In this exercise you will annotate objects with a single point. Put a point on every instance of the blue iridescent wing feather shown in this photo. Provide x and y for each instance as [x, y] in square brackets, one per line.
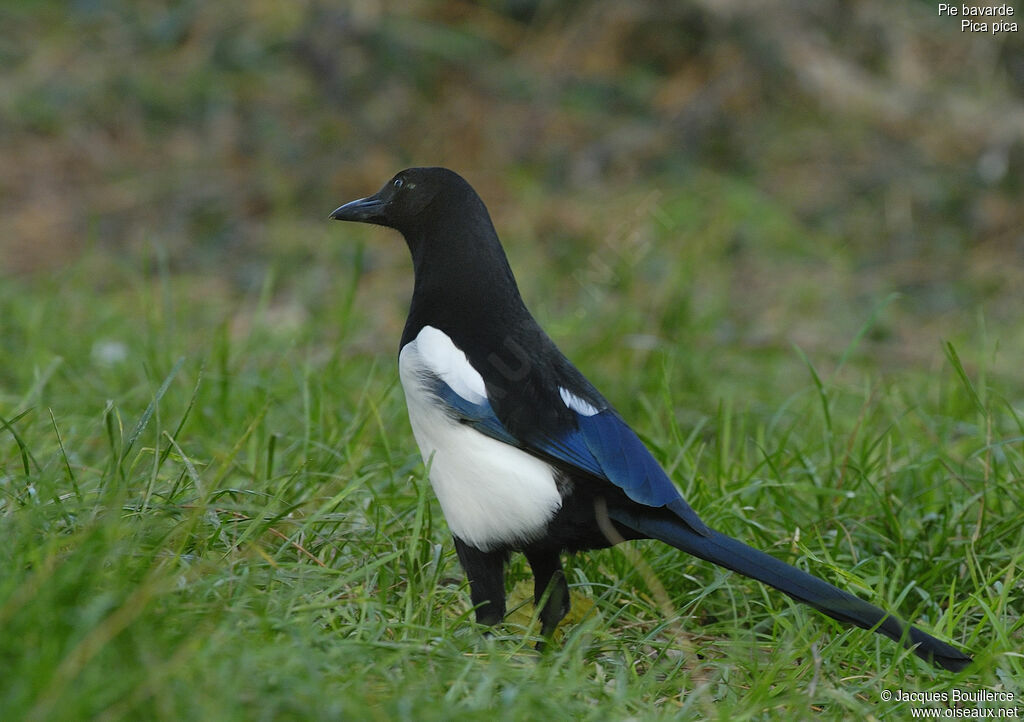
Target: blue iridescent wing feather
[601, 445]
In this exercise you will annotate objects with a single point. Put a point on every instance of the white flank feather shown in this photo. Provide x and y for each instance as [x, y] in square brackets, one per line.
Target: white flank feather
[491, 493]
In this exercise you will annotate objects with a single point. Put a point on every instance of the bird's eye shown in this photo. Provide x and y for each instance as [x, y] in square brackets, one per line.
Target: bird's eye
[398, 183]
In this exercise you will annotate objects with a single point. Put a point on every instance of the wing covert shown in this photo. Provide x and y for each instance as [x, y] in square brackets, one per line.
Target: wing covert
[601, 445]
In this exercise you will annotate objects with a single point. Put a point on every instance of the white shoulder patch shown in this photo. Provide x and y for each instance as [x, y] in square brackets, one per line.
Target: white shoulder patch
[444, 359]
[575, 403]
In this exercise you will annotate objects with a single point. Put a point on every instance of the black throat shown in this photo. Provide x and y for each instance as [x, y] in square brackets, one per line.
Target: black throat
[463, 283]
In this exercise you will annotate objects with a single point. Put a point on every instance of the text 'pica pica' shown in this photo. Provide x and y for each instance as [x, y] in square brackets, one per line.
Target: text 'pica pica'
[524, 453]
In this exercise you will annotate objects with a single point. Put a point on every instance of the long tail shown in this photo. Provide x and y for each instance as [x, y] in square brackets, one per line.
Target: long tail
[737, 556]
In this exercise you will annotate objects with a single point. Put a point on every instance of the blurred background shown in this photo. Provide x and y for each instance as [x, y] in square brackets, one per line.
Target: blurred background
[763, 174]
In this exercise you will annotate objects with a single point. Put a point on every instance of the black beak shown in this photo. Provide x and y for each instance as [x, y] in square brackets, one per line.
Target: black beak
[365, 210]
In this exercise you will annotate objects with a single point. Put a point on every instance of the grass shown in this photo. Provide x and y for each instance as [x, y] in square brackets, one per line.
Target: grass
[211, 505]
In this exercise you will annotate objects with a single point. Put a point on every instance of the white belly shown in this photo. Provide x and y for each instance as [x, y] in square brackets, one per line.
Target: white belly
[491, 493]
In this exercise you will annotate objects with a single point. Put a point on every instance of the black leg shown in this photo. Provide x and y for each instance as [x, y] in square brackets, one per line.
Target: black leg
[486, 573]
[549, 588]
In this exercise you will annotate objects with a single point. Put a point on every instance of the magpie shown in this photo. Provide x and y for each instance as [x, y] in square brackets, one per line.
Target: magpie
[524, 454]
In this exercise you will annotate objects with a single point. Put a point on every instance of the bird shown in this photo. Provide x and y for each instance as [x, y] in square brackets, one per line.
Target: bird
[524, 454]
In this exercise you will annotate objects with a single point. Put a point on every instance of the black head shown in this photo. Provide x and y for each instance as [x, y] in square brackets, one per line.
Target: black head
[410, 199]
[458, 261]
